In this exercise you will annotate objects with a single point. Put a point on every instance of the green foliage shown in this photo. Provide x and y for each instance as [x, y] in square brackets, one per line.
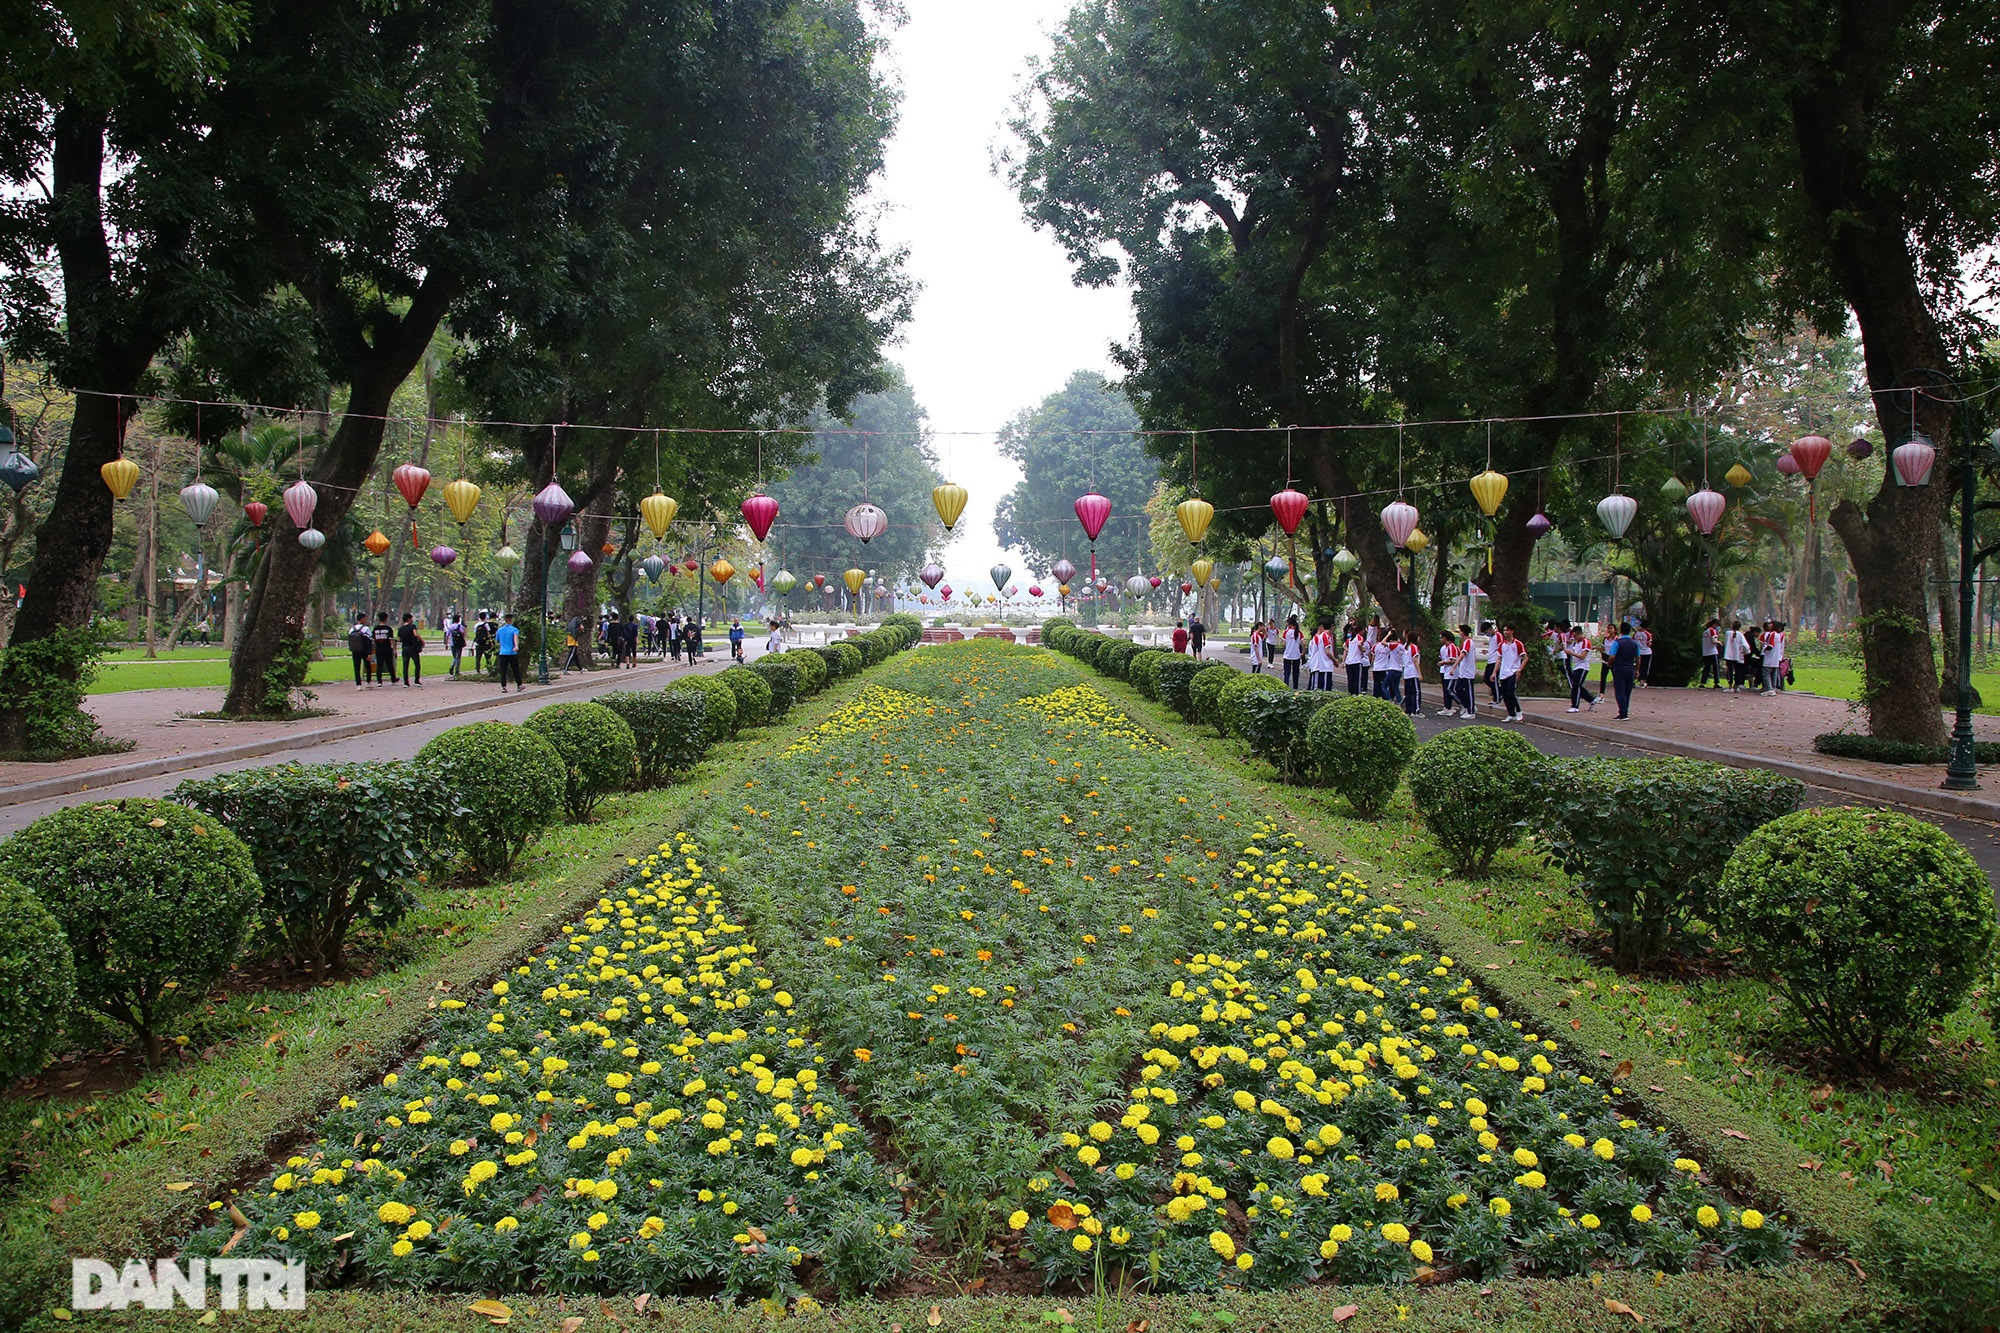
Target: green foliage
[835, 665]
[1362, 745]
[670, 728]
[1233, 704]
[1078, 438]
[1143, 670]
[37, 981]
[1882, 750]
[753, 693]
[285, 677]
[1275, 725]
[1115, 658]
[1205, 694]
[1874, 924]
[46, 679]
[813, 672]
[334, 845]
[155, 898]
[599, 753]
[778, 672]
[850, 658]
[720, 700]
[508, 782]
[1470, 786]
[1647, 839]
[1175, 674]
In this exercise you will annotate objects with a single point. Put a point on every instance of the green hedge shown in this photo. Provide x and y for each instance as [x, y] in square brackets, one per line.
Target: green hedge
[1469, 787]
[1176, 674]
[599, 753]
[782, 675]
[1275, 726]
[753, 695]
[720, 699]
[1143, 671]
[1362, 744]
[813, 672]
[1205, 694]
[1881, 750]
[508, 782]
[671, 729]
[37, 981]
[1234, 701]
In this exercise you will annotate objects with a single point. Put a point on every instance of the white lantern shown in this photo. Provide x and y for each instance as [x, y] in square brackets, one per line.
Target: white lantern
[199, 499]
[1615, 512]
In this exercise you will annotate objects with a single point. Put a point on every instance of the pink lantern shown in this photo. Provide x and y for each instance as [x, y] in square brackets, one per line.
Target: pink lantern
[1913, 459]
[300, 501]
[1810, 452]
[412, 481]
[255, 512]
[1093, 511]
[1290, 508]
[442, 556]
[1789, 465]
[1399, 520]
[580, 562]
[932, 575]
[1156, 580]
[1034, 590]
[1063, 572]
[1705, 508]
[945, 591]
[866, 522]
[760, 512]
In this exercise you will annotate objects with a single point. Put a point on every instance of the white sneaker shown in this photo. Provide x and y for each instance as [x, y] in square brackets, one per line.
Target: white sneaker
[1576, 710]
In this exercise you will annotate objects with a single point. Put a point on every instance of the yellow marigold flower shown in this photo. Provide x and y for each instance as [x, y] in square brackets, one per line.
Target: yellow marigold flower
[1397, 1232]
[1605, 1149]
[1421, 1251]
[1328, 1248]
[1489, 1140]
[1280, 1148]
[1018, 1219]
[1124, 1170]
[1080, 1243]
[401, 1248]
[305, 1221]
[1243, 1262]
[1574, 1140]
[1120, 1235]
[1687, 1164]
[1589, 1222]
[1641, 1213]
[1220, 1242]
[1752, 1220]
[1100, 1131]
[507, 1224]
[1386, 1192]
[1088, 1155]
[1340, 1231]
[419, 1230]
[1524, 1158]
[1500, 1207]
[1707, 1216]
[395, 1214]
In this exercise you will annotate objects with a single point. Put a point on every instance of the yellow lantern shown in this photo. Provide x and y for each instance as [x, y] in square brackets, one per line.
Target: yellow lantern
[1215, 585]
[1738, 475]
[1489, 488]
[658, 510]
[1195, 516]
[950, 500]
[722, 571]
[1203, 568]
[121, 475]
[461, 497]
[1416, 542]
[376, 542]
[854, 578]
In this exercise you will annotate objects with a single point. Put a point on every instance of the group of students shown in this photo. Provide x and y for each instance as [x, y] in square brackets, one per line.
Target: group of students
[1759, 656]
[1389, 664]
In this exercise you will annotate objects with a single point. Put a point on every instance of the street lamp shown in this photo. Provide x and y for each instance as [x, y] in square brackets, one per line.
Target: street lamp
[567, 542]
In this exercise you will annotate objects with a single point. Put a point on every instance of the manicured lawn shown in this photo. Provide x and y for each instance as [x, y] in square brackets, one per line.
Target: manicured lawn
[118, 676]
[1844, 682]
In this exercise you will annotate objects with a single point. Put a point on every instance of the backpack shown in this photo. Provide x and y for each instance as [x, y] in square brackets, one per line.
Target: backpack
[358, 640]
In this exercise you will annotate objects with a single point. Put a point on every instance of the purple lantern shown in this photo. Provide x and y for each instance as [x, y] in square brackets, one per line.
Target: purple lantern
[1539, 525]
[580, 562]
[1788, 465]
[1859, 448]
[442, 556]
[1063, 572]
[553, 507]
[932, 575]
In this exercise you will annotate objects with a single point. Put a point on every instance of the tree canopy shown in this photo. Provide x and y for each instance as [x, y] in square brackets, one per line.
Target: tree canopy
[1079, 437]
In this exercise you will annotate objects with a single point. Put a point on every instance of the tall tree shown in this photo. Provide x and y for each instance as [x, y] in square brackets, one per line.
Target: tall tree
[1084, 435]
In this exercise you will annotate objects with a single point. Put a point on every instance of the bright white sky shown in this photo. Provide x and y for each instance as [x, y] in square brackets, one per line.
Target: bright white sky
[998, 324]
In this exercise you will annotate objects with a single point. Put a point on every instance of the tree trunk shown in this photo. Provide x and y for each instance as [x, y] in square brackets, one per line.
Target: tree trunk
[580, 586]
[149, 548]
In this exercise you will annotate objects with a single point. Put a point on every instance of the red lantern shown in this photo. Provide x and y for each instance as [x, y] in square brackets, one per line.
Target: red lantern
[255, 511]
[1289, 506]
[1155, 580]
[760, 512]
[691, 566]
[1810, 452]
[412, 481]
[1093, 511]
[1186, 587]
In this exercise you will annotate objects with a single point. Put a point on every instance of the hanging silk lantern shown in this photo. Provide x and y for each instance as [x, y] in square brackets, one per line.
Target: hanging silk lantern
[757, 577]
[1489, 488]
[1345, 561]
[1810, 452]
[1858, 448]
[300, 501]
[312, 539]
[256, 511]
[1539, 525]
[1705, 509]
[553, 506]
[1289, 507]
[721, 571]
[932, 575]
[1615, 512]
[691, 566]
[658, 510]
[1417, 542]
[1399, 520]
[442, 556]
[461, 497]
[1000, 574]
[1063, 588]
[783, 582]
[1215, 585]
[1156, 580]
[1138, 585]
[1913, 459]
[1788, 465]
[412, 481]
[1034, 590]
[1013, 589]
[945, 592]
[652, 567]
[16, 468]
[580, 561]
[854, 578]
[949, 501]
[608, 549]
[376, 542]
[507, 558]
[819, 580]
[1062, 571]
[1093, 511]
[866, 522]
[199, 499]
[120, 475]
[760, 512]
[1195, 516]
[1738, 475]
[1202, 568]
[1673, 490]
[1278, 568]
[1186, 587]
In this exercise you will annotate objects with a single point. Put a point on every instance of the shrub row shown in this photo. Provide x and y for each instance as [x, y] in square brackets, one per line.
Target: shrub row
[135, 908]
[1882, 750]
[1872, 924]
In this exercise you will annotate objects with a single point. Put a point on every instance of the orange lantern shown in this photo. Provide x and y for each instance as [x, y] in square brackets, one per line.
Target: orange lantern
[376, 542]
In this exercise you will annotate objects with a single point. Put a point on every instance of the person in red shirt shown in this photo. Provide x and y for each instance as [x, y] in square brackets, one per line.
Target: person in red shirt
[1180, 638]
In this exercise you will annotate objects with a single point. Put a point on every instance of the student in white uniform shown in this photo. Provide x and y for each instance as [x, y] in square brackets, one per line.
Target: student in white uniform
[1467, 667]
[1294, 650]
[1735, 647]
[1318, 666]
[1508, 652]
[1356, 658]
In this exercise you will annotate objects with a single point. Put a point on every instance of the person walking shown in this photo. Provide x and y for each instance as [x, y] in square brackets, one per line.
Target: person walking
[454, 642]
[776, 642]
[1508, 655]
[384, 639]
[1624, 657]
[1774, 656]
[1411, 654]
[736, 639]
[482, 642]
[1355, 657]
[507, 653]
[1294, 649]
[1257, 649]
[1735, 647]
[1382, 659]
[1466, 667]
[1576, 665]
[1644, 638]
[1711, 656]
[1197, 637]
[361, 647]
[1448, 673]
[413, 649]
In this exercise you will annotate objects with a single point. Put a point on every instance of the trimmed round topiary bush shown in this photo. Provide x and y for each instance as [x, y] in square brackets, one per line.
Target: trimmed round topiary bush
[836, 666]
[599, 753]
[1143, 671]
[508, 782]
[1232, 704]
[1275, 725]
[1205, 694]
[669, 727]
[721, 702]
[850, 658]
[813, 673]
[155, 898]
[782, 675]
[1175, 674]
[37, 981]
[1362, 745]
[1873, 924]
[753, 695]
[1116, 656]
[1466, 785]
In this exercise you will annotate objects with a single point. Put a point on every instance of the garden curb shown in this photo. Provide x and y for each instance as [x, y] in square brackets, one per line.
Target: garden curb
[1873, 789]
[22, 793]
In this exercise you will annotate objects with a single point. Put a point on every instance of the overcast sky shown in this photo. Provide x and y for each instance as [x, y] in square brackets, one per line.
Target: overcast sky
[998, 324]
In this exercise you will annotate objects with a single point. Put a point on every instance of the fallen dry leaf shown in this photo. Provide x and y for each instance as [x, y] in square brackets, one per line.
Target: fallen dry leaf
[491, 1309]
[571, 1324]
[1620, 1307]
[1735, 1134]
[1624, 1069]
[1343, 1313]
[641, 1301]
[935, 1317]
[179, 1185]
[1138, 1326]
